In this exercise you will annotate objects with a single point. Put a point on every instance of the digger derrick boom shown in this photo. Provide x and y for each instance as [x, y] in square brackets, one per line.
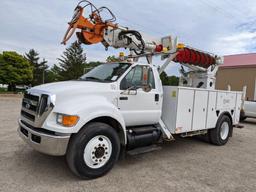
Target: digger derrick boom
[95, 29]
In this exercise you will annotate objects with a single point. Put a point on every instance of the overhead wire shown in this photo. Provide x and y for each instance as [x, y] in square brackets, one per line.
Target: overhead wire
[218, 9]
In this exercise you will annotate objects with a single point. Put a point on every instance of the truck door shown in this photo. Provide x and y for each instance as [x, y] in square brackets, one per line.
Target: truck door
[137, 106]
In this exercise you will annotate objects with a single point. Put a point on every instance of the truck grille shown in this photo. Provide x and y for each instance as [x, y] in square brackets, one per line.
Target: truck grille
[29, 107]
[28, 116]
[30, 102]
[35, 108]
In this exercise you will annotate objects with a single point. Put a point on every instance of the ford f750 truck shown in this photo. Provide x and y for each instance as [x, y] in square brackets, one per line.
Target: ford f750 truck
[92, 119]
[122, 106]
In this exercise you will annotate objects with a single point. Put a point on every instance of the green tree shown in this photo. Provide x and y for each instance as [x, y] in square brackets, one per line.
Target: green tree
[173, 80]
[14, 70]
[93, 63]
[164, 78]
[169, 80]
[72, 62]
[39, 67]
[112, 59]
[53, 74]
[89, 66]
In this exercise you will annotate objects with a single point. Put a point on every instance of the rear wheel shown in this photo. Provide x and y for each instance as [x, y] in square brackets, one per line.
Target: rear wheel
[221, 133]
[93, 151]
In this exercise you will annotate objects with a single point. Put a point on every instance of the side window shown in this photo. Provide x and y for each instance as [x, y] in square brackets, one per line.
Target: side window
[134, 78]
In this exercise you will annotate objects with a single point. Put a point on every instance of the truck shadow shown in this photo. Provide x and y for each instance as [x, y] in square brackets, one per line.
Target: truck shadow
[250, 121]
[45, 167]
[55, 169]
[168, 151]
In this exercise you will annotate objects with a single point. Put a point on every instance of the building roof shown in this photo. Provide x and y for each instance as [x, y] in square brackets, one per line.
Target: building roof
[239, 60]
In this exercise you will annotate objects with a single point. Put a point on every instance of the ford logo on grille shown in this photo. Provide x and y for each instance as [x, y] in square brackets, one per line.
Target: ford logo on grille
[27, 105]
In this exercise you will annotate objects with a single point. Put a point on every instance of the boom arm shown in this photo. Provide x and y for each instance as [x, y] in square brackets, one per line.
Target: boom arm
[96, 29]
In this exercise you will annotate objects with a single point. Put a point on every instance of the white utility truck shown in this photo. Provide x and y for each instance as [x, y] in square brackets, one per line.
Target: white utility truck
[122, 106]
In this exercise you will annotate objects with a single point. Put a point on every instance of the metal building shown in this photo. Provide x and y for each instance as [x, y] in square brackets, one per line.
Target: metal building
[238, 71]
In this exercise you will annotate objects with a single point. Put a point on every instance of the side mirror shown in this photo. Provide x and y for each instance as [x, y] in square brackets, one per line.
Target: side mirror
[147, 88]
[145, 80]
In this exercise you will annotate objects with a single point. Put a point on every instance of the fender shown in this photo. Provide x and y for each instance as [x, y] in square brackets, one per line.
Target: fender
[225, 113]
[103, 108]
[87, 108]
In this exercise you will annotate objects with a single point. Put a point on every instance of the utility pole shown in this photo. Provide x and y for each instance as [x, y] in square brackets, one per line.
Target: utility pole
[43, 75]
[44, 70]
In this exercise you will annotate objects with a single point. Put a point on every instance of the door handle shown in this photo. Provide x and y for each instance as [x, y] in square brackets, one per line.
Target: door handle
[123, 98]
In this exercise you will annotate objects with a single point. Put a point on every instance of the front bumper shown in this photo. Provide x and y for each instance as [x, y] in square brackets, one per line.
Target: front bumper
[47, 143]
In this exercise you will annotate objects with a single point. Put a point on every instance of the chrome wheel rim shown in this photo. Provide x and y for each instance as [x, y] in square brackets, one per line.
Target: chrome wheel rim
[97, 152]
[224, 130]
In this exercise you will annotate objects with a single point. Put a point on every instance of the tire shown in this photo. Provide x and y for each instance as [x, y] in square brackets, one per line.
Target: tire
[93, 151]
[221, 133]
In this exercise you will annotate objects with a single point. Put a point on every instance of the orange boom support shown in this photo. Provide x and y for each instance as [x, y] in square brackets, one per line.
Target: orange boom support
[92, 28]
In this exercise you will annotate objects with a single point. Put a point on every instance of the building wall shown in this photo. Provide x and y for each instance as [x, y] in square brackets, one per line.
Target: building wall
[237, 78]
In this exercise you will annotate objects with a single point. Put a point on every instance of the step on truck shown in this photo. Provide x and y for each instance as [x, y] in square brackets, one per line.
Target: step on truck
[119, 107]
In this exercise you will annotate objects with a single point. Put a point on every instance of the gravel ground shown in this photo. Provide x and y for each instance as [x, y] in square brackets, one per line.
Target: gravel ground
[182, 165]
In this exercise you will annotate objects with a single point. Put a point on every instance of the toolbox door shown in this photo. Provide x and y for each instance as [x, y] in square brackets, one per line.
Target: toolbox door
[200, 110]
[184, 110]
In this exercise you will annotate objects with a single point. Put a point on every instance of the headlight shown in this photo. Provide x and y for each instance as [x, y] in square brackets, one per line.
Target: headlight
[67, 120]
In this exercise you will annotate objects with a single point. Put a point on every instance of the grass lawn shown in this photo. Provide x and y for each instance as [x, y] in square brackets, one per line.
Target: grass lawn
[4, 91]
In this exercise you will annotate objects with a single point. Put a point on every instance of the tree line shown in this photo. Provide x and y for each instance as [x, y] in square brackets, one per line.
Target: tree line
[30, 69]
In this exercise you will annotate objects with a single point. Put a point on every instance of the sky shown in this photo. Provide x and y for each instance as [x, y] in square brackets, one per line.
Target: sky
[222, 27]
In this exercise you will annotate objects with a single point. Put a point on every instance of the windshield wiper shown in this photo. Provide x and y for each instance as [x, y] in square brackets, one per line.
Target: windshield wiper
[92, 78]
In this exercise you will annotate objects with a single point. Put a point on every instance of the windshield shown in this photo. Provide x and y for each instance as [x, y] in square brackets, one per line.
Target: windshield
[107, 72]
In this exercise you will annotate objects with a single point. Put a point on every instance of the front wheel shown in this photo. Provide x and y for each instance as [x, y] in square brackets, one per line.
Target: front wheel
[220, 134]
[93, 151]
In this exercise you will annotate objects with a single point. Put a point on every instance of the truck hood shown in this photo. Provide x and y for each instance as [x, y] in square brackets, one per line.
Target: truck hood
[73, 96]
[74, 87]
